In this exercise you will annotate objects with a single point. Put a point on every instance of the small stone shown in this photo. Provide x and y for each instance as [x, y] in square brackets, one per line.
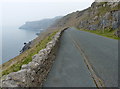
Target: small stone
[38, 60]
[48, 49]
[34, 56]
[24, 66]
[8, 77]
[33, 65]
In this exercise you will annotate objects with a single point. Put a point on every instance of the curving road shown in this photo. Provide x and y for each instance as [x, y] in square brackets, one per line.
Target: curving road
[84, 60]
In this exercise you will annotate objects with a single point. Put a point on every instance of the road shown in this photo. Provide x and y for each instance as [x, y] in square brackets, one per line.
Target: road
[84, 60]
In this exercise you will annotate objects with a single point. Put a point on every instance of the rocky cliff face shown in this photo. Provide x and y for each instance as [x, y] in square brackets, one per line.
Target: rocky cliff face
[101, 15]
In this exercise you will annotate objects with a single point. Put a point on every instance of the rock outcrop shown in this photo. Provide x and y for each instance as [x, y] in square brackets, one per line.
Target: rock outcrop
[101, 15]
[34, 73]
[26, 46]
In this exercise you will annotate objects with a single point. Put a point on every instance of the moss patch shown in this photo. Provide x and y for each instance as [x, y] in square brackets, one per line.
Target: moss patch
[103, 10]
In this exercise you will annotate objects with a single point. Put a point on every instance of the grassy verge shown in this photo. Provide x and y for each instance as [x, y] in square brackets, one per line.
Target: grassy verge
[29, 53]
[106, 33]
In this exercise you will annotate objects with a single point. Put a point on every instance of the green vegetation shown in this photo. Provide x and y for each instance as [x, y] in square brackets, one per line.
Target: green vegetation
[116, 7]
[106, 33]
[102, 10]
[32, 51]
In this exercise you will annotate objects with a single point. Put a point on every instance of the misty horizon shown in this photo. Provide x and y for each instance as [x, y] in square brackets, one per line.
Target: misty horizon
[14, 13]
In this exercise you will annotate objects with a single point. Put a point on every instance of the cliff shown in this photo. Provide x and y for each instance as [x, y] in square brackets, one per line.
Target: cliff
[37, 25]
[101, 15]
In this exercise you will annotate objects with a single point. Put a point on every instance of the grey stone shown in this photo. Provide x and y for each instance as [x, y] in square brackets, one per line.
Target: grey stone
[93, 27]
[117, 33]
[8, 77]
[24, 66]
[20, 75]
[38, 60]
[115, 24]
[48, 49]
[33, 65]
[9, 83]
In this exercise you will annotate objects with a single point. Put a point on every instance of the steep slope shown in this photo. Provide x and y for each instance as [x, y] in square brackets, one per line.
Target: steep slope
[42, 24]
[101, 15]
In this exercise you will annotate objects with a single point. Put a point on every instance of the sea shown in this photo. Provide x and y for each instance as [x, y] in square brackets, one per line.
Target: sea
[12, 41]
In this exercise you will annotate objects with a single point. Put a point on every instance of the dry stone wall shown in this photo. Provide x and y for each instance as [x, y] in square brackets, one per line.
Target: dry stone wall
[34, 73]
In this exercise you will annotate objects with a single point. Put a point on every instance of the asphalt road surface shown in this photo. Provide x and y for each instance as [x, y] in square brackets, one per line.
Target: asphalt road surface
[84, 60]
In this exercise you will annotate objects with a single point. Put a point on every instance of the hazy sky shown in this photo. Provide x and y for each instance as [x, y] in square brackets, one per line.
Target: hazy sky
[17, 12]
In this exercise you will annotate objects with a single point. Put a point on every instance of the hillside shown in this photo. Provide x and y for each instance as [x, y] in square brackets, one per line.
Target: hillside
[72, 59]
[100, 16]
[41, 24]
